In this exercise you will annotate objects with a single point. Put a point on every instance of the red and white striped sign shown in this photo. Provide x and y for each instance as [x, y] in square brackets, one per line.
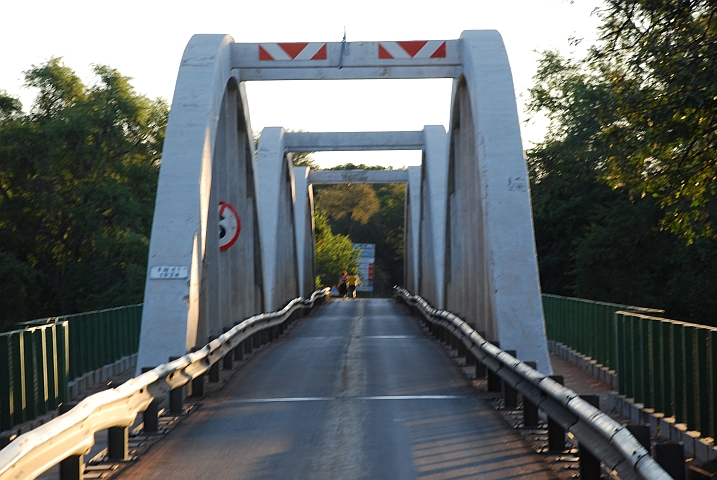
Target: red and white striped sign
[412, 49]
[292, 51]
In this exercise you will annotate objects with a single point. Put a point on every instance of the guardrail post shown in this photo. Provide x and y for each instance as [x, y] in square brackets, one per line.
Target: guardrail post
[461, 348]
[641, 434]
[176, 396]
[150, 417]
[556, 433]
[214, 368]
[589, 464]
[530, 410]
[229, 357]
[470, 359]
[671, 457]
[239, 350]
[480, 368]
[72, 467]
[197, 382]
[510, 394]
[495, 384]
[118, 443]
[264, 336]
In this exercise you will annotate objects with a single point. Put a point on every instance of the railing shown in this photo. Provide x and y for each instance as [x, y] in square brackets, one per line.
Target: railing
[669, 366]
[586, 326]
[100, 337]
[664, 364]
[608, 441]
[72, 434]
[34, 379]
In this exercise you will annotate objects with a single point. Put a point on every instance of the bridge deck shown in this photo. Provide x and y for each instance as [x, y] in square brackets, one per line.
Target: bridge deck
[357, 391]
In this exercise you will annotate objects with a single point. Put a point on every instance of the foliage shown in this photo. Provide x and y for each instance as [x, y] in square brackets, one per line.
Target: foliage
[610, 184]
[384, 227]
[77, 184]
[662, 131]
[356, 202]
[334, 253]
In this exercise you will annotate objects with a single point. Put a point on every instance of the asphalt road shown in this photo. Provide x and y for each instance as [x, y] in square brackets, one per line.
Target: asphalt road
[356, 391]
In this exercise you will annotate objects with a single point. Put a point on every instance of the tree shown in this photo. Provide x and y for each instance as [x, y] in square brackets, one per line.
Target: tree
[356, 202]
[659, 57]
[77, 184]
[384, 227]
[598, 235]
[334, 253]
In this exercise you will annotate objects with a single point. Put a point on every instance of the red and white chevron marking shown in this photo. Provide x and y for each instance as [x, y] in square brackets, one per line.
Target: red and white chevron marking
[412, 49]
[292, 51]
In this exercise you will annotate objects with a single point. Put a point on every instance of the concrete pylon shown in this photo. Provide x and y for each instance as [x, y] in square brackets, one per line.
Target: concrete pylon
[492, 272]
[434, 197]
[413, 230]
[275, 181]
[194, 285]
[304, 223]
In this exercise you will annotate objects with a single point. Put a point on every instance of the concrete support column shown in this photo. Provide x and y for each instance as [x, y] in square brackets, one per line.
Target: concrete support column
[276, 198]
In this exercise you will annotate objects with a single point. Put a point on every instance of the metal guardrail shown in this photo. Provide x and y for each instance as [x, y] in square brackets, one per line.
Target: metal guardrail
[607, 440]
[72, 433]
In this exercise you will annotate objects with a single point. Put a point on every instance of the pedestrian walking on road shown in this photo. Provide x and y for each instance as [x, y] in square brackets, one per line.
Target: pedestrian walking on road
[343, 287]
[353, 281]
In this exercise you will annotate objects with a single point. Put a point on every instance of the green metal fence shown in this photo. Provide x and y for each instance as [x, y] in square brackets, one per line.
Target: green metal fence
[667, 365]
[586, 326]
[49, 352]
[34, 379]
[100, 337]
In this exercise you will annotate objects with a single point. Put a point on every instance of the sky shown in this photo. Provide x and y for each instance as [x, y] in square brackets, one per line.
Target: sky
[145, 39]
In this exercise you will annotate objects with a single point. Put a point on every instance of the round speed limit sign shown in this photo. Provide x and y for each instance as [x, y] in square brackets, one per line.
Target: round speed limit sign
[229, 226]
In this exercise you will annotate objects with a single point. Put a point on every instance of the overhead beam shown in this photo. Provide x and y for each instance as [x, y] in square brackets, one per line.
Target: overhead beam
[333, 177]
[348, 60]
[352, 141]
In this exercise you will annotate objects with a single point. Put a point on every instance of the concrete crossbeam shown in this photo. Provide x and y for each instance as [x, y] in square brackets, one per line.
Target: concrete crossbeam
[350, 60]
[352, 141]
[332, 177]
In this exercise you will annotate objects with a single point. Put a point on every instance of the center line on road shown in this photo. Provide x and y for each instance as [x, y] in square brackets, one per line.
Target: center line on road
[389, 337]
[412, 397]
[287, 399]
[326, 399]
[392, 336]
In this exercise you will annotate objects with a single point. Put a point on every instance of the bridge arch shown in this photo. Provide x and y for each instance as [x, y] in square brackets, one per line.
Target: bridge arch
[469, 225]
[208, 157]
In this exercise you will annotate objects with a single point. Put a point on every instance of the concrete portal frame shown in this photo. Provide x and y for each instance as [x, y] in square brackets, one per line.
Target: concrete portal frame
[469, 225]
[432, 141]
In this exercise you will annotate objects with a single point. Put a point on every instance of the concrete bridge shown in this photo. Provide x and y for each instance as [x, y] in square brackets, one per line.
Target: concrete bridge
[357, 391]
[469, 237]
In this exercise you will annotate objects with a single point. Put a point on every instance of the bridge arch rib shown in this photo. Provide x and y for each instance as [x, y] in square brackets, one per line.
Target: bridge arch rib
[208, 157]
[491, 265]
